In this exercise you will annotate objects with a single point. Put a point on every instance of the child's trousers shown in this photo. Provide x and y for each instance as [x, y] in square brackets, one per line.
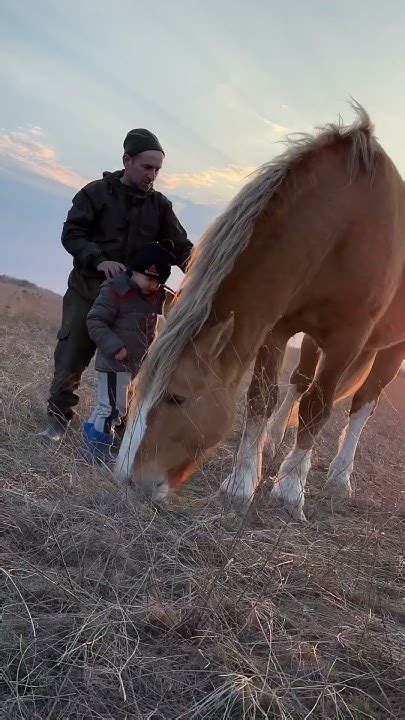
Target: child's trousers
[112, 400]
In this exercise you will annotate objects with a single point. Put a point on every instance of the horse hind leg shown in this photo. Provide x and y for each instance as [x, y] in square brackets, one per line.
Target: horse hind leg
[300, 380]
[314, 410]
[385, 368]
[240, 486]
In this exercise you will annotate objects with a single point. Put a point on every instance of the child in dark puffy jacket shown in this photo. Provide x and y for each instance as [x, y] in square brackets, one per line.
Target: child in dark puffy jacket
[122, 323]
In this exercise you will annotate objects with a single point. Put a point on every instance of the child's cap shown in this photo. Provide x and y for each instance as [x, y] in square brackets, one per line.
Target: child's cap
[154, 260]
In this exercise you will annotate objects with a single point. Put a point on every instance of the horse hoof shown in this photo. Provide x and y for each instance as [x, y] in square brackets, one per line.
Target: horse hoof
[234, 501]
[338, 485]
[297, 514]
[294, 510]
[338, 492]
[234, 496]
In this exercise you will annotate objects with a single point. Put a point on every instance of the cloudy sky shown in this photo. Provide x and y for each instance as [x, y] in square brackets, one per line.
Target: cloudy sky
[219, 82]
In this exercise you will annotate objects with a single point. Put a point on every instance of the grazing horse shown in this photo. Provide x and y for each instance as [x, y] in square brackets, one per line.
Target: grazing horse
[313, 243]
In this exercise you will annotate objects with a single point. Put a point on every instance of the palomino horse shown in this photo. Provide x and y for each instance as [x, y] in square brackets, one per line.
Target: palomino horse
[313, 243]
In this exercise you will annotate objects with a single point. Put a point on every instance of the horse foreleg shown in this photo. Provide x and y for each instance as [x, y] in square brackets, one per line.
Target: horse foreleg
[239, 487]
[385, 368]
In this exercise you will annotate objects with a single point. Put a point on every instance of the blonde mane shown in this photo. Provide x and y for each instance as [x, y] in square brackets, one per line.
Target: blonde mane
[214, 258]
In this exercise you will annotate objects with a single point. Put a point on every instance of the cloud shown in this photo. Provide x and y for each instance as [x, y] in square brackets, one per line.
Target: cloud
[195, 216]
[26, 150]
[280, 131]
[214, 184]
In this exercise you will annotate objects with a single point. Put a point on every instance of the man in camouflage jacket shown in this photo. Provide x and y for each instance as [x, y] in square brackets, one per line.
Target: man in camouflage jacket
[110, 220]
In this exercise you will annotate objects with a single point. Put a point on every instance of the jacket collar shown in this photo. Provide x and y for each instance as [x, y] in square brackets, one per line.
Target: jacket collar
[113, 180]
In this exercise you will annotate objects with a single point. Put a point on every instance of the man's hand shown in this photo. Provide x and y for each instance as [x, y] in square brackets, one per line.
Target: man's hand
[110, 268]
[121, 354]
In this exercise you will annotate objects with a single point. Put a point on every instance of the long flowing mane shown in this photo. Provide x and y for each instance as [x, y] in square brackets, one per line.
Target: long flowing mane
[213, 259]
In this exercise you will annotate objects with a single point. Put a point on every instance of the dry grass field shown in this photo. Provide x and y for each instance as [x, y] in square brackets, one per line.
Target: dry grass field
[116, 609]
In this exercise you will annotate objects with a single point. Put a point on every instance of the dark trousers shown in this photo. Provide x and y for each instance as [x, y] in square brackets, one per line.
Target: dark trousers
[73, 354]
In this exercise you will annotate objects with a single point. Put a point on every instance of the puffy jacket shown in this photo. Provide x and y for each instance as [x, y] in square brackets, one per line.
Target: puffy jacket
[111, 221]
[121, 316]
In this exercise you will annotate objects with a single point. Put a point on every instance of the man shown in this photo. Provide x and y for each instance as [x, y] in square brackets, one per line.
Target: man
[110, 220]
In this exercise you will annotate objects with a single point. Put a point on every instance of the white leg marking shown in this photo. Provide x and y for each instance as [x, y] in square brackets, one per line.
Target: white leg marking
[134, 432]
[241, 484]
[291, 478]
[341, 467]
[277, 424]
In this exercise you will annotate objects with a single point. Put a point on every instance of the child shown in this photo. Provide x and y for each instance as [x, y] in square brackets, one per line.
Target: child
[122, 323]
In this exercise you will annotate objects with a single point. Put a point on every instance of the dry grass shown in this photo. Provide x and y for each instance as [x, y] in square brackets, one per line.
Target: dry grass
[115, 609]
[21, 299]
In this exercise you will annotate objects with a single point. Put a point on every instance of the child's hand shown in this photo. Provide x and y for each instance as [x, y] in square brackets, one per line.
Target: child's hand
[121, 354]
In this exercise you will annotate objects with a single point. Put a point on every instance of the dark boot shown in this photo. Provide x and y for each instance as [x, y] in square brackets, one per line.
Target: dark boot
[58, 425]
[55, 428]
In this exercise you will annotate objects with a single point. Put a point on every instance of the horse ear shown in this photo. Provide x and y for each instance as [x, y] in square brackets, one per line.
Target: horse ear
[216, 339]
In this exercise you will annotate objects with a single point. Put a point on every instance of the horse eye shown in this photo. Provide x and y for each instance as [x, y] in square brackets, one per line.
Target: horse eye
[174, 399]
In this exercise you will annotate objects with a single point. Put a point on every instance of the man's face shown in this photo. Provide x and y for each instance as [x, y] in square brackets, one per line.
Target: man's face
[141, 170]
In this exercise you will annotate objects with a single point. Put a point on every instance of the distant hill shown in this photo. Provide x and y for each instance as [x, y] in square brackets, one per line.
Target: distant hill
[24, 300]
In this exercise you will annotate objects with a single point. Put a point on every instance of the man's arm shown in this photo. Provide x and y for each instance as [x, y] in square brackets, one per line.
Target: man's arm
[76, 235]
[77, 231]
[172, 229]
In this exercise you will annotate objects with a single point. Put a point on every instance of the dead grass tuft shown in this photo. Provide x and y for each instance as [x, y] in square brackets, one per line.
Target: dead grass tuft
[116, 609]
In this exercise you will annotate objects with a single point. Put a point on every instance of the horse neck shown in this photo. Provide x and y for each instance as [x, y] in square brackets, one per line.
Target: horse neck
[243, 348]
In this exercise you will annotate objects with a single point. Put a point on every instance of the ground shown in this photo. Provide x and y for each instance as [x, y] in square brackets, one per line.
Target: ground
[115, 609]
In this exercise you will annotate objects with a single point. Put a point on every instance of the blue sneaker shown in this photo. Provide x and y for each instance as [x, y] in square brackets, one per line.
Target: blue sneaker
[97, 445]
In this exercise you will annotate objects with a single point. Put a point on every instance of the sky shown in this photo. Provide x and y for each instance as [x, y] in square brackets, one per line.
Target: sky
[221, 84]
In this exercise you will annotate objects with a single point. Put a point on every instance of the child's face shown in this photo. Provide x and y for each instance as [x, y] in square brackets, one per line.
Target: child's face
[148, 285]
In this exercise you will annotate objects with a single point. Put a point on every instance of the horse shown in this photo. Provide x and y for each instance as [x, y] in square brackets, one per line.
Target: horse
[313, 243]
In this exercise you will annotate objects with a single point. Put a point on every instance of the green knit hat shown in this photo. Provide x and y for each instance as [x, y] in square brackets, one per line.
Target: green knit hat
[140, 140]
